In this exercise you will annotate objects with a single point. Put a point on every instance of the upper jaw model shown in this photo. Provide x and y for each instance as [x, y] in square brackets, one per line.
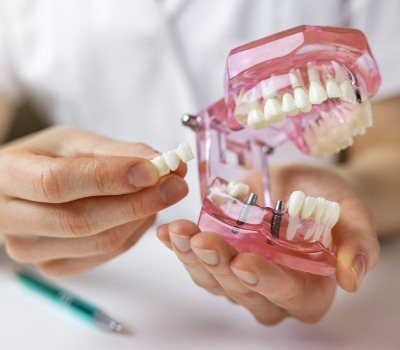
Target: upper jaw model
[310, 85]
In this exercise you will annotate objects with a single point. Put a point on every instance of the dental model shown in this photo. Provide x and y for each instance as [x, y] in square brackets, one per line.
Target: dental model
[169, 161]
[309, 85]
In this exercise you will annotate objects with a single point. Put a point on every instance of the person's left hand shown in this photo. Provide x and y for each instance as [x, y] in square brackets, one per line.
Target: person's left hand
[271, 292]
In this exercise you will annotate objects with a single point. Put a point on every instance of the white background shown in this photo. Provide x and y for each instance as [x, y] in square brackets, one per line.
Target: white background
[148, 291]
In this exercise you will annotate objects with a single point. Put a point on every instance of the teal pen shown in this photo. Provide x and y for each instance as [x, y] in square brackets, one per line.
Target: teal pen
[61, 296]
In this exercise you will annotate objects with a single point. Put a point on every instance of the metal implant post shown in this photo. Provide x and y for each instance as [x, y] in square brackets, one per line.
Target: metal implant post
[192, 121]
[251, 200]
[277, 218]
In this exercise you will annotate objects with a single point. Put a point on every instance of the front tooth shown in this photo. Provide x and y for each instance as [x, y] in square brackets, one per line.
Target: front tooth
[237, 189]
[292, 227]
[301, 99]
[161, 165]
[319, 208]
[334, 217]
[296, 201]
[332, 89]
[327, 212]
[273, 110]
[256, 118]
[308, 207]
[172, 159]
[347, 91]
[288, 104]
[317, 93]
[185, 152]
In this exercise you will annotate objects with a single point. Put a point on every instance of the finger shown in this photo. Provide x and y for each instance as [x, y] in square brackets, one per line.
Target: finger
[302, 295]
[358, 246]
[180, 233]
[58, 180]
[39, 249]
[216, 255]
[89, 216]
[69, 267]
[163, 235]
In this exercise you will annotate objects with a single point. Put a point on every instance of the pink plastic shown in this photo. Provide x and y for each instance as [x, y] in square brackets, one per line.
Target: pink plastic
[232, 150]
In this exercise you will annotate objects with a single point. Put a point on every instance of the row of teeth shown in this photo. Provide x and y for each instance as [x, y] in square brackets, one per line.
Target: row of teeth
[169, 161]
[334, 131]
[323, 213]
[261, 106]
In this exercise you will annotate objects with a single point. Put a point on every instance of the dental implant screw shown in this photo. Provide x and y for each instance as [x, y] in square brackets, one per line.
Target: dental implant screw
[251, 200]
[277, 218]
[192, 121]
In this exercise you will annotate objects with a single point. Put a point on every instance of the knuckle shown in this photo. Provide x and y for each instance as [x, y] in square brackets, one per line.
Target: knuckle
[75, 221]
[17, 250]
[48, 183]
[109, 242]
[242, 297]
[138, 208]
[103, 176]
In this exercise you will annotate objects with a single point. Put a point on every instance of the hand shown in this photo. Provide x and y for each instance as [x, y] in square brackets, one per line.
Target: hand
[70, 200]
[271, 292]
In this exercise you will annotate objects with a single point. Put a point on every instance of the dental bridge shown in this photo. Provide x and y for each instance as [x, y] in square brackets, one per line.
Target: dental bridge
[310, 85]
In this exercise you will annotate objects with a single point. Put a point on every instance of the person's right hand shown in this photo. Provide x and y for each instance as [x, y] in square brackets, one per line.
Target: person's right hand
[70, 200]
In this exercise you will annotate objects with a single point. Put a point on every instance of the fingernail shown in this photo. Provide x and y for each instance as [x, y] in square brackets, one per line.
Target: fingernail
[245, 276]
[172, 190]
[180, 242]
[210, 257]
[359, 268]
[142, 175]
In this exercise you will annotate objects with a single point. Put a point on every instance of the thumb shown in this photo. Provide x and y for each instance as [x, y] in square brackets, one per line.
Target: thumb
[358, 246]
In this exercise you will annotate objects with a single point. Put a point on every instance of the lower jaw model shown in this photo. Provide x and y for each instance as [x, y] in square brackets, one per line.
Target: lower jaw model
[310, 85]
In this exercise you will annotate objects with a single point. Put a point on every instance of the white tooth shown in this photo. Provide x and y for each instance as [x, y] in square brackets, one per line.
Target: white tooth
[295, 204]
[327, 212]
[335, 213]
[318, 232]
[292, 227]
[301, 99]
[161, 165]
[332, 89]
[256, 118]
[185, 152]
[340, 72]
[347, 91]
[273, 110]
[310, 230]
[237, 189]
[308, 207]
[365, 114]
[319, 209]
[317, 93]
[288, 105]
[240, 113]
[296, 79]
[172, 159]
[252, 95]
[327, 238]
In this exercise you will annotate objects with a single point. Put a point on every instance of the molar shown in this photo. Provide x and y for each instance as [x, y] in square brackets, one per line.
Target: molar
[256, 118]
[273, 110]
[237, 189]
[288, 104]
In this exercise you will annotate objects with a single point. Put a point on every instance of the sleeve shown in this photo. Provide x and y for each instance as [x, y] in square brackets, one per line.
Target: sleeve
[8, 82]
[380, 21]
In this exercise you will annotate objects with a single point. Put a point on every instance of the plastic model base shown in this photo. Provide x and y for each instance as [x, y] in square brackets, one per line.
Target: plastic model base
[308, 85]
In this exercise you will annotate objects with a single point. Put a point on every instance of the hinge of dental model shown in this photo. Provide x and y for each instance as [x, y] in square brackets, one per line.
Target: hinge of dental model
[169, 161]
[244, 212]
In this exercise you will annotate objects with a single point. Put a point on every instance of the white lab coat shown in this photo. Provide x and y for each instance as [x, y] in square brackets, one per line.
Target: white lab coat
[129, 69]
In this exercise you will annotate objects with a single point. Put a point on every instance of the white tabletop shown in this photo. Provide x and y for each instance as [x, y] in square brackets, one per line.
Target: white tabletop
[148, 291]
